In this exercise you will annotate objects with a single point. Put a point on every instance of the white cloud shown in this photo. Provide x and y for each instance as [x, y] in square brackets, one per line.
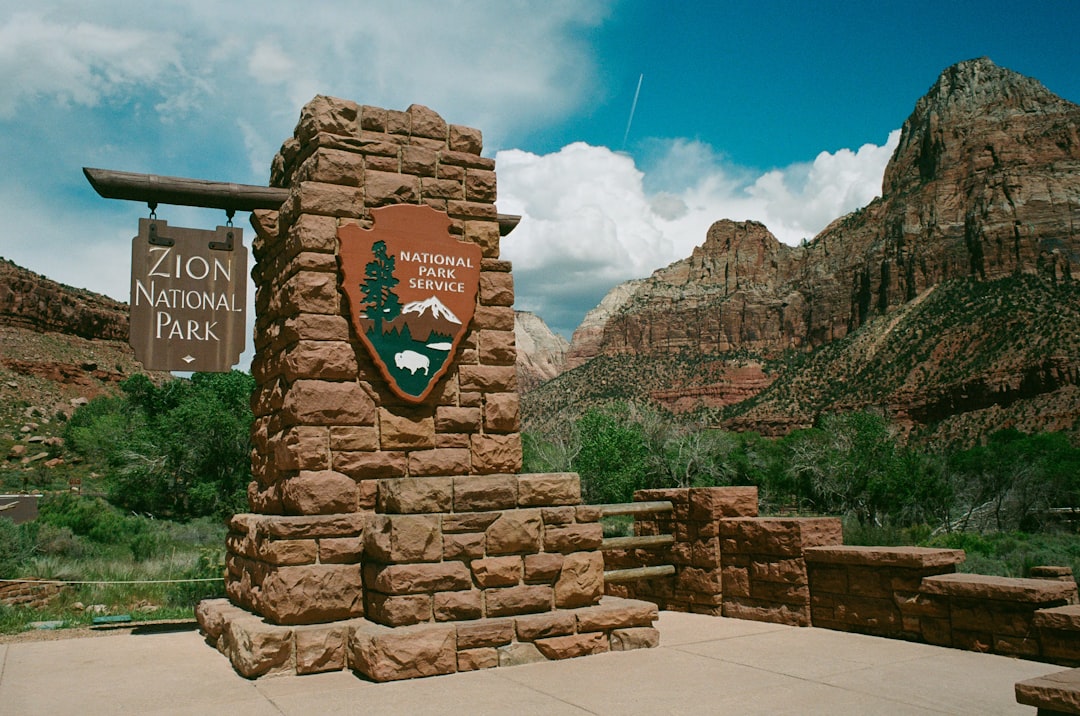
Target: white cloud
[589, 222]
[76, 62]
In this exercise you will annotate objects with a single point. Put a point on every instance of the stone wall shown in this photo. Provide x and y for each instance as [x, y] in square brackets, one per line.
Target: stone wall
[326, 424]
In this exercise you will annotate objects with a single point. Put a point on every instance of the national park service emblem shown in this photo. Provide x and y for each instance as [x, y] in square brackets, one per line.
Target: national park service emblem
[412, 293]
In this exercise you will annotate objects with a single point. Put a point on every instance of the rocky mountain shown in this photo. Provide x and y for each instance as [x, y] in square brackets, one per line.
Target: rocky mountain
[980, 203]
[58, 344]
[541, 353]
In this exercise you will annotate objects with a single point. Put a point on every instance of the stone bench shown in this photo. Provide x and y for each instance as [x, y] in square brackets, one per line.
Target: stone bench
[994, 614]
[1052, 694]
[1059, 631]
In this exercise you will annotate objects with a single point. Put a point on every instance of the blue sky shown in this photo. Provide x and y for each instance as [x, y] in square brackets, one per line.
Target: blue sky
[782, 112]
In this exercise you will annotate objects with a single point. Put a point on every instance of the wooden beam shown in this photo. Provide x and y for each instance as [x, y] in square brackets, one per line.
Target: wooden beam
[635, 508]
[631, 575]
[180, 191]
[640, 542]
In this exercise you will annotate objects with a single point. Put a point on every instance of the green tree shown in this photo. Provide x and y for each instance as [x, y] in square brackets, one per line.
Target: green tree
[611, 460]
[378, 288]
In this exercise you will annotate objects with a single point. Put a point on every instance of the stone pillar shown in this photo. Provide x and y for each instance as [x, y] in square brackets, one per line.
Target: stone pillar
[372, 511]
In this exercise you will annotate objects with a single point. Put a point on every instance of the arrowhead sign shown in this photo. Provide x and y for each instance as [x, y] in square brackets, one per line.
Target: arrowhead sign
[412, 293]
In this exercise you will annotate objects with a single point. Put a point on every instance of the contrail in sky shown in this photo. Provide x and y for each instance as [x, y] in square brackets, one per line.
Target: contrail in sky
[632, 108]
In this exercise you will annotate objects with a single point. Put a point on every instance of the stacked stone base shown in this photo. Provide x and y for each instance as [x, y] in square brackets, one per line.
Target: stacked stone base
[258, 648]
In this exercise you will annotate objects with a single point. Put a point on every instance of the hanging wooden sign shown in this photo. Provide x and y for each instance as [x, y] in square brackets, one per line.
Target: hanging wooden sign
[412, 293]
[188, 297]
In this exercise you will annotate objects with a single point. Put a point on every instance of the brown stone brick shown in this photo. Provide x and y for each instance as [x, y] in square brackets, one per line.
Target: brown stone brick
[495, 318]
[449, 171]
[485, 234]
[372, 118]
[481, 658]
[390, 163]
[502, 413]
[458, 606]
[406, 430]
[487, 378]
[439, 461]
[353, 437]
[735, 581]
[465, 139]
[497, 348]
[485, 632]
[419, 161]
[496, 453]
[398, 610]
[573, 538]
[558, 515]
[256, 648]
[471, 400]
[542, 568]
[340, 550]
[311, 594]
[363, 465]
[392, 654]
[463, 546]
[381, 188]
[539, 626]
[417, 578]
[480, 185]
[310, 292]
[320, 648]
[317, 402]
[496, 289]
[281, 552]
[332, 166]
[549, 489]
[397, 539]
[614, 613]
[573, 645]
[581, 581]
[474, 493]
[330, 115]
[302, 448]
[510, 601]
[497, 571]
[415, 495]
[452, 419]
[315, 327]
[634, 638]
[324, 199]
[469, 521]
[426, 122]
[452, 440]
[468, 159]
[324, 360]
[442, 189]
[319, 493]
[514, 532]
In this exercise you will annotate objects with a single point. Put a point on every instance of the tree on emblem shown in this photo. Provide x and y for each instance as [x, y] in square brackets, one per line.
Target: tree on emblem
[378, 290]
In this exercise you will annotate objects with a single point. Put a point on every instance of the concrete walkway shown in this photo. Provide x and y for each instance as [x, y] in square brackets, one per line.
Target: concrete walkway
[705, 665]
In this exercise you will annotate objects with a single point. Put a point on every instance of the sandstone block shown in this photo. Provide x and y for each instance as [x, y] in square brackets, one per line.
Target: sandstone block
[480, 185]
[344, 438]
[469, 521]
[212, 614]
[302, 448]
[511, 601]
[483, 233]
[542, 568]
[573, 645]
[634, 638]
[381, 188]
[397, 539]
[317, 402]
[485, 632]
[502, 413]
[573, 538]
[433, 190]
[406, 430]
[514, 532]
[546, 489]
[458, 606]
[497, 571]
[581, 581]
[399, 610]
[440, 461]
[313, 197]
[474, 493]
[256, 648]
[363, 465]
[403, 653]
[420, 161]
[495, 453]
[426, 122]
[332, 166]
[465, 139]
[713, 503]
[340, 550]
[451, 419]
[539, 626]
[496, 318]
[283, 552]
[613, 613]
[397, 579]
[466, 546]
[519, 653]
[482, 658]
[415, 495]
[319, 493]
[311, 232]
[330, 115]
[312, 594]
[496, 289]
[320, 648]
[487, 378]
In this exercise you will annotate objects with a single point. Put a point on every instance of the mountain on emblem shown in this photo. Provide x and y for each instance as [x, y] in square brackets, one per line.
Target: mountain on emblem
[412, 292]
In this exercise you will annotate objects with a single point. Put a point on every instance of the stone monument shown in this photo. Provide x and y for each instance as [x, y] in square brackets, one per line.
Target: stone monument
[391, 531]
